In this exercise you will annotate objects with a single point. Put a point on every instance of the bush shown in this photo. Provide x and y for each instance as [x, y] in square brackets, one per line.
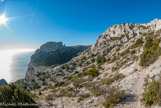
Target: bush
[69, 92]
[40, 93]
[82, 97]
[117, 38]
[97, 90]
[133, 52]
[59, 84]
[114, 97]
[101, 60]
[151, 54]
[83, 59]
[152, 92]
[67, 67]
[93, 72]
[44, 83]
[36, 86]
[93, 55]
[138, 43]
[149, 42]
[116, 77]
[49, 97]
[14, 94]
[125, 52]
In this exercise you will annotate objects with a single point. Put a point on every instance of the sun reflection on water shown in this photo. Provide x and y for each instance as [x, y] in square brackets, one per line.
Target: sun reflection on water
[6, 61]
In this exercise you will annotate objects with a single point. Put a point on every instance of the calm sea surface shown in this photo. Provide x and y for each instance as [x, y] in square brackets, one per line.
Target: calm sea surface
[19, 65]
[14, 64]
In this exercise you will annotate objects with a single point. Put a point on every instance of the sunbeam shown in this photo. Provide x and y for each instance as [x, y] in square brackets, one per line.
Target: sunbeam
[3, 19]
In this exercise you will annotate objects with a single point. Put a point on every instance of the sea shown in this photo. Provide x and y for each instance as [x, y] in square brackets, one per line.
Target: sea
[14, 64]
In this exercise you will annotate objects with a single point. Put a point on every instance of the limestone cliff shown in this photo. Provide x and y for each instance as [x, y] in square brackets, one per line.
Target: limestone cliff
[122, 57]
[52, 54]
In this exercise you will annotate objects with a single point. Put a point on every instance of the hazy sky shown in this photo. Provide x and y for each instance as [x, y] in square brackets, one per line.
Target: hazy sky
[71, 21]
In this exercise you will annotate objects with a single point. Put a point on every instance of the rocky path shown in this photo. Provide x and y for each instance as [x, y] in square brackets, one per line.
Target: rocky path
[133, 85]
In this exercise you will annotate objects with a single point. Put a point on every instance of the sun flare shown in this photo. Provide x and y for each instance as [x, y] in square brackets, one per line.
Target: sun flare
[3, 19]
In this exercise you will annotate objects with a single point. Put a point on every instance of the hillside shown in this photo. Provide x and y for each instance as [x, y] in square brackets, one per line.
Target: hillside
[52, 54]
[111, 72]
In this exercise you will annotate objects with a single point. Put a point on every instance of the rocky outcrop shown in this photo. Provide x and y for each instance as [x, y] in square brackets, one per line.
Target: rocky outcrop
[52, 54]
[113, 61]
[3, 82]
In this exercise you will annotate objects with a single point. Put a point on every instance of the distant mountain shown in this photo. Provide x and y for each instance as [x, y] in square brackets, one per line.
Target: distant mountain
[3, 82]
[121, 70]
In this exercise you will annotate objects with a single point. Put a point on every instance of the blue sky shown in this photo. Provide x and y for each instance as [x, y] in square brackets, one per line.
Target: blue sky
[75, 22]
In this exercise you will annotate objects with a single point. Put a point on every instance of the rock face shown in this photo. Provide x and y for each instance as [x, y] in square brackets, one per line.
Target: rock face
[52, 54]
[50, 46]
[3, 82]
[113, 61]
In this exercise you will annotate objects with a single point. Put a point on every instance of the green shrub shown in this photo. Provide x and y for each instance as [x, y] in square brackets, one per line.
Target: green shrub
[152, 92]
[42, 79]
[35, 86]
[67, 67]
[125, 52]
[82, 97]
[149, 42]
[83, 59]
[63, 67]
[93, 72]
[69, 92]
[151, 54]
[44, 83]
[59, 84]
[93, 55]
[116, 77]
[133, 52]
[114, 97]
[14, 94]
[117, 38]
[97, 90]
[40, 93]
[77, 83]
[101, 60]
[49, 97]
[138, 43]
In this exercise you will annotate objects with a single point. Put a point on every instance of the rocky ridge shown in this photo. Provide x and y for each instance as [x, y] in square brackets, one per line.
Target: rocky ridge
[118, 59]
[52, 54]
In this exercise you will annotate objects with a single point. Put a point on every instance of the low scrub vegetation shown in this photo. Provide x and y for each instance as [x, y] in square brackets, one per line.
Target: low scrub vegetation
[49, 97]
[101, 60]
[138, 43]
[132, 52]
[151, 52]
[116, 77]
[149, 42]
[113, 97]
[93, 72]
[82, 97]
[13, 94]
[125, 52]
[152, 92]
[117, 38]
[59, 84]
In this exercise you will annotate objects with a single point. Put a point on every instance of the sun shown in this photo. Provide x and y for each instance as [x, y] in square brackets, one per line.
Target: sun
[3, 19]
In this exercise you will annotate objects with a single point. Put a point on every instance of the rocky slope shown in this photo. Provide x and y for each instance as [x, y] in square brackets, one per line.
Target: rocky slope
[110, 73]
[52, 54]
